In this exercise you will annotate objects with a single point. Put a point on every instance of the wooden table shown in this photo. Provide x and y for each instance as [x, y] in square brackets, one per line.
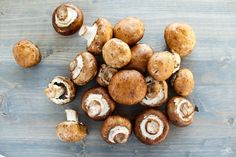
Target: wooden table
[28, 119]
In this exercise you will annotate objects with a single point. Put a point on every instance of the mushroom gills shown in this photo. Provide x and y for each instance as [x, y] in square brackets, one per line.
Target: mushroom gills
[63, 95]
[89, 33]
[118, 134]
[106, 72]
[65, 16]
[184, 109]
[76, 66]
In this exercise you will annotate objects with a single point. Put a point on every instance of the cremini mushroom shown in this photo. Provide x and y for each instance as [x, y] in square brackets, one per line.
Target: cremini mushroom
[71, 130]
[116, 130]
[97, 35]
[177, 61]
[105, 74]
[83, 68]
[67, 19]
[60, 90]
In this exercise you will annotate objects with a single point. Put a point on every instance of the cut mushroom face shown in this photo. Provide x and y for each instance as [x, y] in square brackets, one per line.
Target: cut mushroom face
[97, 104]
[151, 127]
[116, 130]
[83, 68]
[180, 111]
[177, 60]
[105, 74]
[67, 19]
[157, 92]
[61, 90]
[97, 35]
[71, 130]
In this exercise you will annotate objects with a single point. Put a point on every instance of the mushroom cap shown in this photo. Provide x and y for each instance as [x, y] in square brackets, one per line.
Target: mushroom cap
[105, 74]
[141, 53]
[74, 25]
[161, 117]
[111, 122]
[116, 53]
[180, 38]
[161, 65]
[127, 87]
[129, 29]
[98, 91]
[180, 111]
[177, 60]
[183, 82]
[71, 131]
[26, 53]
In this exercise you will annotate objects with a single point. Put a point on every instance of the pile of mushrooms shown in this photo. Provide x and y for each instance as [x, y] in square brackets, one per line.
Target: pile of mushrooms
[131, 74]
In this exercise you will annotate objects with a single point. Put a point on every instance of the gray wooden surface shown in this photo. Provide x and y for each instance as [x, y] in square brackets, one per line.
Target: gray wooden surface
[28, 119]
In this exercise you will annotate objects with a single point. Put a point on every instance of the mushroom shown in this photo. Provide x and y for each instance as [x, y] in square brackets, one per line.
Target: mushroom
[177, 60]
[180, 111]
[183, 82]
[161, 65]
[67, 19]
[116, 53]
[116, 130]
[60, 90]
[105, 74]
[26, 53]
[157, 92]
[180, 38]
[97, 104]
[129, 29]
[97, 35]
[151, 127]
[83, 68]
[141, 53]
[71, 130]
[127, 87]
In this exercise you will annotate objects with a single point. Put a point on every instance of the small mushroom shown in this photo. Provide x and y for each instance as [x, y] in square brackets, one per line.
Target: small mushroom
[97, 35]
[116, 130]
[67, 19]
[180, 111]
[71, 130]
[183, 82]
[83, 68]
[180, 38]
[141, 53]
[161, 65]
[116, 53]
[61, 90]
[105, 74]
[127, 87]
[151, 127]
[177, 60]
[97, 104]
[157, 92]
[130, 30]
[26, 53]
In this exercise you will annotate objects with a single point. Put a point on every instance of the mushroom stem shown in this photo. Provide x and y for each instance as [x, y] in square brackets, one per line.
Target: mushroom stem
[71, 115]
[54, 91]
[88, 32]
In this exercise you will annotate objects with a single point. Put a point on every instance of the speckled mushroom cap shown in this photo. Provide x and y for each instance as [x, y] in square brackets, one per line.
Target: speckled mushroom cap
[151, 127]
[183, 82]
[105, 74]
[180, 111]
[67, 19]
[161, 65]
[180, 38]
[26, 53]
[83, 68]
[116, 130]
[97, 104]
[130, 30]
[127, 87]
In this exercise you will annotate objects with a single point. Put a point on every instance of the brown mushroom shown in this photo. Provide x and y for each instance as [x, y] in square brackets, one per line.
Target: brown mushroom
[97, 35]
[180, 111]
[97, 104]
[116, 130]
[180, 38]
[83, 68]
[71, 130]
[177, 60]
[105, 74]
[67, 19]
[183, 82]
[127, 87]
[60, 90]
[116, 53]
[161, 65]
[26, 53]
[130, 30]
[151, 127]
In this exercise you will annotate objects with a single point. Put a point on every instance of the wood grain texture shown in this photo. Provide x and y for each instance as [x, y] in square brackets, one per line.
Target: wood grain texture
[28, 119]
